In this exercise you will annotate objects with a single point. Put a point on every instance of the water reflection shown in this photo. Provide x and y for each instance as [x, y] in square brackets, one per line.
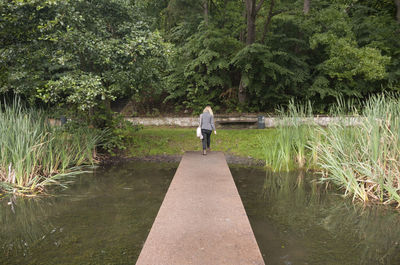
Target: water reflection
[22, 222]
[297, 221]
[101, 219]
[104, 219]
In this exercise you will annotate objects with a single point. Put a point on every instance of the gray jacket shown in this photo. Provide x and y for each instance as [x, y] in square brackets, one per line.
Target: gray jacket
[207, 121]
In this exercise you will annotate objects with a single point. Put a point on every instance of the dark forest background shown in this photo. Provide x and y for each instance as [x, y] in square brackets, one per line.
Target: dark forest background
[179, 55]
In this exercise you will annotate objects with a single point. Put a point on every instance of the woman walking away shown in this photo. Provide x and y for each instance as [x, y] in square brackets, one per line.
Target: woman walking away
[207, 125]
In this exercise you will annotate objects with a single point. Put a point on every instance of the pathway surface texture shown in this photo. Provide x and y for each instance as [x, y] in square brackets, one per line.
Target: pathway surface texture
[202, 219]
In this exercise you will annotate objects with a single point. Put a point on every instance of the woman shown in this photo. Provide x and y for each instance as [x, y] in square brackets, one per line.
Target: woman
[207, 126]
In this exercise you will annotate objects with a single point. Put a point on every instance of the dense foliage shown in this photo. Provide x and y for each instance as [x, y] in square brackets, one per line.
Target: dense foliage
[79, 54]
[336, 48]
[236, 55]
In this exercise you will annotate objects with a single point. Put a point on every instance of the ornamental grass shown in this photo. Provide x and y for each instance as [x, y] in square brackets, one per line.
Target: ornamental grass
[361, 156]
[35, 154]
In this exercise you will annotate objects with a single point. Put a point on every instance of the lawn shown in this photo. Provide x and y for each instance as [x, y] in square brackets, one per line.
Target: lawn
[171, 141]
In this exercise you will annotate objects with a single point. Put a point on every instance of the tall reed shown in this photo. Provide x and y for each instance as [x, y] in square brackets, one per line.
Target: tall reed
[364, 159]
[35, 154]
[289, 148]
[359, 154]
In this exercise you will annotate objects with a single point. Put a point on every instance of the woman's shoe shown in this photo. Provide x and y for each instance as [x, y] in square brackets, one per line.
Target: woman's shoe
[204, 152]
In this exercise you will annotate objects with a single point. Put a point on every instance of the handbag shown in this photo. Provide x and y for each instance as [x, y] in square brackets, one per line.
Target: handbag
[199, 134]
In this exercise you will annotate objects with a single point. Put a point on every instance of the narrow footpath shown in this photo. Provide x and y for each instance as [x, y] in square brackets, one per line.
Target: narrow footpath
[202, 220]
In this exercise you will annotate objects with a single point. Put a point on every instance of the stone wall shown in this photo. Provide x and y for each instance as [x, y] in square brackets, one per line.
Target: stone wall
[246, 121]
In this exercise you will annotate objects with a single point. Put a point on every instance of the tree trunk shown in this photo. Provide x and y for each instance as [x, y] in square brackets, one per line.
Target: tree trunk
[205, 8]
[267, 23]
[242, 92]
[251, 21]
[306, 7]
[242, 36]
[251, 14]
[397, 2]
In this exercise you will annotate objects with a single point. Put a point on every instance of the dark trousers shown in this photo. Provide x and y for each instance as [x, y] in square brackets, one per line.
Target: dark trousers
[206, 138]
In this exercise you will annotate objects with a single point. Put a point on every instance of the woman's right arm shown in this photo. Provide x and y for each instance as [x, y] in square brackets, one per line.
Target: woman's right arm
[200, 120]
[212, 125]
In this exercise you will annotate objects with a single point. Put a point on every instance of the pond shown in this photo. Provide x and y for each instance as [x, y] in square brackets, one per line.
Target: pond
[104, 218]
[296, 221]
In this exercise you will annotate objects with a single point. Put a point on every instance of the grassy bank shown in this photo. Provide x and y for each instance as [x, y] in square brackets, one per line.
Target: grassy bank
[35, 154]
[171, 141]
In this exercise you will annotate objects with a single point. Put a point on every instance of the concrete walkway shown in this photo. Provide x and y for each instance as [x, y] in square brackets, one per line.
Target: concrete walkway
[202, 219]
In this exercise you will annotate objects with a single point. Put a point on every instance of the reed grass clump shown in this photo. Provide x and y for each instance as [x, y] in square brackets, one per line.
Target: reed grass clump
[35, 154]
[289, 148]
[364, 160]
[360, 155]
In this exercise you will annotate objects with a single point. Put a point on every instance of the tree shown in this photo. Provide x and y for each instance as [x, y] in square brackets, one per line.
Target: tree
[306, 6]
[252, 8]
[84, 54]
[345, 66]
[397, 2]
[201, 68]
[268, 20]
[81, 54]
[205, 7]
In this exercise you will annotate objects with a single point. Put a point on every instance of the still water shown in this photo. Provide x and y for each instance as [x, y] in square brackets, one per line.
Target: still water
[104, 218]
[296, 221]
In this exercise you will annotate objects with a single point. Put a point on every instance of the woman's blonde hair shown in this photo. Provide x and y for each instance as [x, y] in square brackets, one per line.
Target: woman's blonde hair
[209, 110]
